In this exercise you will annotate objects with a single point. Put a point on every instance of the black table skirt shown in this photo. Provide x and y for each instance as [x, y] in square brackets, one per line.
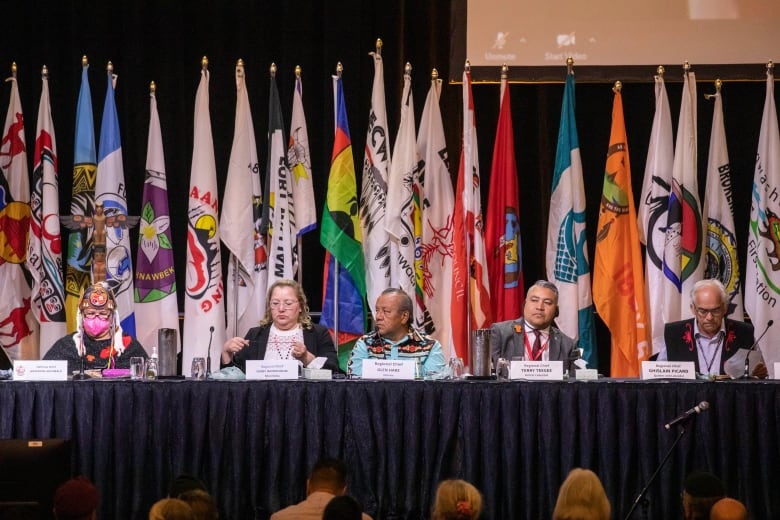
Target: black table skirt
[254, 442]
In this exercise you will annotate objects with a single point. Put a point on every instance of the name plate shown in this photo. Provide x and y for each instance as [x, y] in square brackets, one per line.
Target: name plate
[536, 370]
[388, 369]
[258, 369]
[668, 370]
[776, 374]
[40, 370]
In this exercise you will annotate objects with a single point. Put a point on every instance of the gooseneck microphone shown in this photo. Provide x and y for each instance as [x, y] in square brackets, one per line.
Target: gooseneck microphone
[208, 352]
[753, 347]
[699, 408]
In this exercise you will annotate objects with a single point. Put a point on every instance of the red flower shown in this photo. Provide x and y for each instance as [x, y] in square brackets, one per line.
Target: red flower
[731, 336]
[688, 336]
[105, 352]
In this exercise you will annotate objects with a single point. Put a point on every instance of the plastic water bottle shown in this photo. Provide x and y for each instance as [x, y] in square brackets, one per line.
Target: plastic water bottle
[152, 365]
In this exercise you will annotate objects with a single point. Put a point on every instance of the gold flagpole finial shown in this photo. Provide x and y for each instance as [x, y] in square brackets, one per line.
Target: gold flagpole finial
[379, 46]
[110, 68]
[467, 66]
[44, 72]
[272, 70]
[297, 71]
[204, 63]
[408, 69]
[239, 62]
[84, 61]
[660, 70]
[569, 65]
[686, 67]
[618, 87]
[339, 69]
[434, 74]
[718, 85]
[504, 72]
[770, 66]
[152, 88]
[13, 69]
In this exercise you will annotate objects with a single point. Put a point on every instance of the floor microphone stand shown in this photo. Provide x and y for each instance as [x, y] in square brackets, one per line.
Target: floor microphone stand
[641, 497]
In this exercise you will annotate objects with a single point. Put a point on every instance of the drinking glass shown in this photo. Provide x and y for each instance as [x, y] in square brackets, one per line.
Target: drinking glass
[456, 368]
[198, 368]
[137, 368]
[502, 369]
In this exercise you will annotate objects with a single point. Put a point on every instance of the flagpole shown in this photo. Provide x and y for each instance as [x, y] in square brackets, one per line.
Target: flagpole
[466, 184]
[339, 70]
[298, 239]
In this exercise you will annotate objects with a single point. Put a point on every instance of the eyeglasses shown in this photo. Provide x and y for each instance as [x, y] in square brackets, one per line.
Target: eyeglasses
[103, 315]
[276, 304]
[702, 313]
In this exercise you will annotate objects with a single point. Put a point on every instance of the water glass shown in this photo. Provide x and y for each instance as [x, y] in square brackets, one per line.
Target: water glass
[456, 368]
[502, 369]
[198, 368]
[137, 368]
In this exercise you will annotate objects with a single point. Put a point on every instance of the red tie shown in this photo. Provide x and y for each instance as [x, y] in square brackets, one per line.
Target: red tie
[537, 345]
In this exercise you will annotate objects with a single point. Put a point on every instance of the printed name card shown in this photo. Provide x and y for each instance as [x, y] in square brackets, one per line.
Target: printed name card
[273, 370]
[536, 370]
[776, 374]
[40, 370]
[388, 369]
[668, 370]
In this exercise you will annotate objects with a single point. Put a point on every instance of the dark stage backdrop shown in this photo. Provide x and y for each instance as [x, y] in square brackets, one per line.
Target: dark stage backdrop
[164, 42]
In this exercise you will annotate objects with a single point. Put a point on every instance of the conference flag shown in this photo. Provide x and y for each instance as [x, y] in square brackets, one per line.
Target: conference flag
[618, 284]
[567, 248]
[299, 161]
[82, 202]
[761, 281]
[18, 327]
[110, 191]
[240, 221]
[44, 250]
[684, 246]
[722, 261]
[502, 225]
[156, 303]
[344, 282]
[204, 308]
[379, 252]
[437, 218]
[653, 210]
[470, 286]
[278, 222]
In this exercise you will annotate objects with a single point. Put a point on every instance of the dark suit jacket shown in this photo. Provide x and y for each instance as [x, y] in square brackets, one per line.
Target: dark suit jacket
[507, 342]
[681, 345]
[317, 341]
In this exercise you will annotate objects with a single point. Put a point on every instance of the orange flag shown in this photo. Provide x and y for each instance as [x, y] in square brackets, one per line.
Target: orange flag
[618, 285]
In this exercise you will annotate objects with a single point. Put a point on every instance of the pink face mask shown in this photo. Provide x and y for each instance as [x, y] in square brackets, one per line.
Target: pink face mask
[96, 326]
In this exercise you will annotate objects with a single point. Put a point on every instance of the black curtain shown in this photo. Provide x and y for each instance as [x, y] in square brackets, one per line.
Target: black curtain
[164, 42]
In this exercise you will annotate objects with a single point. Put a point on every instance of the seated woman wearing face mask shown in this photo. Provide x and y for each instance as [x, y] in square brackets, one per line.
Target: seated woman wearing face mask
[98, 335]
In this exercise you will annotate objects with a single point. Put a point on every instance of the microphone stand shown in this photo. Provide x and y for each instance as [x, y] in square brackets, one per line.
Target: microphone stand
[641, 497]
[81, 376]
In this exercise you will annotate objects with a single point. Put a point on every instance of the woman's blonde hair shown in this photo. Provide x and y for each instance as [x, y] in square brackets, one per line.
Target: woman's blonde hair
[303, 318]
[171, 509]
[456, 500]
[582, 497]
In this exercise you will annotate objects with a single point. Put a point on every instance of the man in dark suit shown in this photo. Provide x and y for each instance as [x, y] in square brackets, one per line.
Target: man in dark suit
[533, 336]
[710, 339]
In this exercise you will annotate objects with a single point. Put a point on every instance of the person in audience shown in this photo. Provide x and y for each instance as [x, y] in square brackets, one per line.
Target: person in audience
[395, 337]
[286, 332]
[728, 509]
[582, 497]
[99, 338]
[76, 499]
[533, 337]
[343, 508]
[202, 504]
[328, 479]
[456, 500]
[183, 483]
[171, 509]
[701, 490]
[710, 339]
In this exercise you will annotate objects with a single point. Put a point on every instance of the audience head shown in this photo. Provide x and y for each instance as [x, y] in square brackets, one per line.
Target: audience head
[183, 483]
[343, 508]
[709, 303]
[202, 504]
[76, 499]
[456, 500]
[582, 497]
[171, 509]
[286, 306]
[701, 490]
[329, 475]
[393, 314]
[541, 304]
[728, 509]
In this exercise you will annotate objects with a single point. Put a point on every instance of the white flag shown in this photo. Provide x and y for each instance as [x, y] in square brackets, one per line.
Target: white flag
[299, 161]
[378, 250]
[762, 284]
[438, 206]
[204, 308]
[44, 250]
[722, 261]
[653, 208]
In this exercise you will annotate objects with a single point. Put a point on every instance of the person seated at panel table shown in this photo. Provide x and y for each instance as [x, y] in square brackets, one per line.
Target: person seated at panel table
[533, 337]
[98, 335]
[285, 332]
[395, 337]
[710, 339]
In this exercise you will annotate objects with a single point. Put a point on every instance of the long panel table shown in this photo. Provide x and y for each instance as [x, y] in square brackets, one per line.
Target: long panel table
[254, 442]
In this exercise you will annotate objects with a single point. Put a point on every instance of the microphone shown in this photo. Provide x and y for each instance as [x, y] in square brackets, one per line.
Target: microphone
[208, 352]
[753, 347]
[699, 408]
